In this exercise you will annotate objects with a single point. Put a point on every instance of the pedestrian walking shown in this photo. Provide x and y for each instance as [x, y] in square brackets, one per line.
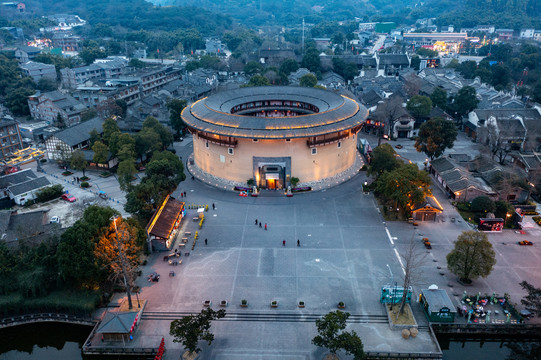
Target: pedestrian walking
[78, 180]
[74, 180]
[265, 226]
[184, 193]
[193, 178]
[284, 243]
[213, 206]
[205, 241]
[181, 194]
[298, 242]
[256, 221]
[260, 224]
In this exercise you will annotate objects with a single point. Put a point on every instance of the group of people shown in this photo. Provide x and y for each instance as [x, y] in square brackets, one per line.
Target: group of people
[260, 224]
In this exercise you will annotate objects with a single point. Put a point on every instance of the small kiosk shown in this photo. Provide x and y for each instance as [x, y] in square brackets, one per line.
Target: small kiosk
[163, 227]
[427, 210]
[437, 305]
[118, 326]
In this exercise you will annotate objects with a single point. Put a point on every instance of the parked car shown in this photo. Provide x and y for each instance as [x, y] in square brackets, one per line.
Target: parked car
[55, 220]
[525, 242]
[69, 197]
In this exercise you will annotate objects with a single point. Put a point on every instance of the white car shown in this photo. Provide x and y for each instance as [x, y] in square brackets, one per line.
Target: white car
[55, 220]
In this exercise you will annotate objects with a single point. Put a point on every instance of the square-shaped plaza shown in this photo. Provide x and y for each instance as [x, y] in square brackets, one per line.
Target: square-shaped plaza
[343, 256]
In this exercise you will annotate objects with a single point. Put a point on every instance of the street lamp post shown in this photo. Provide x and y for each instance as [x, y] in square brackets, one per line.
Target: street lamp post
[122, 264]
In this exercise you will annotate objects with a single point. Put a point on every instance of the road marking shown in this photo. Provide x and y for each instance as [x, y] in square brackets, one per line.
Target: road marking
[391, 238]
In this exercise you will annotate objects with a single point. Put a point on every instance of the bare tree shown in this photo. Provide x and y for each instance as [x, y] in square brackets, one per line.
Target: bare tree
[412, 260]
[388, 113]
[496, 136]
[413, 85]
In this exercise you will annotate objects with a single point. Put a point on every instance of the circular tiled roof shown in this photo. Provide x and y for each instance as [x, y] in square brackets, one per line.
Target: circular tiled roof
[213, 114]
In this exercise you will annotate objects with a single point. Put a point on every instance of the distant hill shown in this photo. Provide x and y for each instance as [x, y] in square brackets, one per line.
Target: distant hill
[135, 14]
[461, 13]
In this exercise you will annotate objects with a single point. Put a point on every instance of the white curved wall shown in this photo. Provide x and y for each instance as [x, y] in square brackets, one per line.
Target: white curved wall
[330, 160]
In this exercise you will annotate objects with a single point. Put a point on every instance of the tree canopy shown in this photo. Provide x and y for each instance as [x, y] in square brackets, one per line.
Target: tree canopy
[192, 328]
[532, 300]
[383, 159]
[175, 107]
[419, 106]
[472, 256]
[404, 186]
[308, 80]
[331, 335]
[435, 136]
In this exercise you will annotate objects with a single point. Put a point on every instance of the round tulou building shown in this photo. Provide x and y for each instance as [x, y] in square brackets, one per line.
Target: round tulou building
[273, 133]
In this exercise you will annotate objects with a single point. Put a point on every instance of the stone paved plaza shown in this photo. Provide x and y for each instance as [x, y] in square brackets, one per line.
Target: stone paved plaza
[343, 255]
[345, 246]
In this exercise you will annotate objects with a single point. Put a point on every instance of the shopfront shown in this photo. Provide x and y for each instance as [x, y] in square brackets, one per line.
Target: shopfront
[164, 225]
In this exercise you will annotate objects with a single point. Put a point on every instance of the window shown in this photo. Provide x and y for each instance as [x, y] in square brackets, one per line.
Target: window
[314, 151]
[230, 151]
[288, 140]
[255, 140]
[339, 144]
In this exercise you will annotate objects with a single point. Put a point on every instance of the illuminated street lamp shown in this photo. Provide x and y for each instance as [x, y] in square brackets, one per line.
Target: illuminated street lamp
[122, 264]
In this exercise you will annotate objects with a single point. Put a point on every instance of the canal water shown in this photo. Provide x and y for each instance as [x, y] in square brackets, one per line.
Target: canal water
[53, 341]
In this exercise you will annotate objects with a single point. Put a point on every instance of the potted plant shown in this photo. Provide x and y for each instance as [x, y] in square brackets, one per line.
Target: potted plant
[301, 304]
[207, 303]
[243, 303]
[274, 303]
[341, 305]
[223, 303]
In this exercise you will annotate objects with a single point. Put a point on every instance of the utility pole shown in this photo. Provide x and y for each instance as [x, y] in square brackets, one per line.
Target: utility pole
[303, 36]
[122, 263]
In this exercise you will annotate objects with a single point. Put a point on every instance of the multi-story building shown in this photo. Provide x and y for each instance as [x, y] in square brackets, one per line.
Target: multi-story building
[486, 28]
[527, 33]
[66, 41]
[99, 92]
[505, 34]
[26, 53]
[537, 35]
[10, 137]
[109, 68]
[38, 71]
[48, 106]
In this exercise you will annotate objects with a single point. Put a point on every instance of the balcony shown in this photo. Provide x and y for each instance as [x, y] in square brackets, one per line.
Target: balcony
[231, 142]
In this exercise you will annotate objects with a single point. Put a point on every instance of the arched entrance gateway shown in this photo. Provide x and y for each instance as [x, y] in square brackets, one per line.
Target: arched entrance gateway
[273, 133]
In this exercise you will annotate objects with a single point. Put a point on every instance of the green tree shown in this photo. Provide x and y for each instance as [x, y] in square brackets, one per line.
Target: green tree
[175, 107]
[383, 159]
[532, 300]
[118, 140]
[110, 127]
[426, 52]
[126, 170]
[17, 100]
[78, 161]
[472, 256]
[166, 137]
[76, 260]
[419, 106]
[94, 136]
[258, 80]
[252, 68]
[89, 54]
[308, 80]
[88, 114]
[147, 141]
[439, 98]
[192, 328]
[415, 62]
[331, 335]
[404, 186]
[483, 204]
[311, 60]
[435, 136]
[288, 66]
[465, 101]
[101, 152]
[501, 77]
[192, 66]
